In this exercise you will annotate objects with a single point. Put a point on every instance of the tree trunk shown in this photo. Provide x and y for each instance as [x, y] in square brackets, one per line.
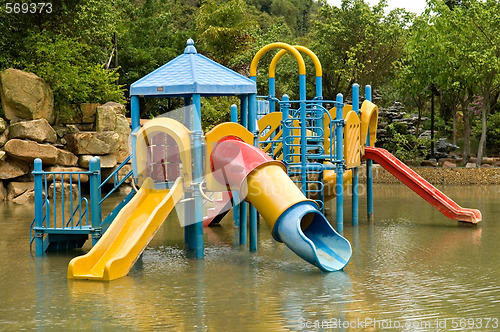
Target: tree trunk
[484, 114]
[454, 114]
[467, 115]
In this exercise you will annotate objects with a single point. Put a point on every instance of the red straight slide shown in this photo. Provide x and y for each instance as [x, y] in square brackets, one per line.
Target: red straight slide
[423, 188]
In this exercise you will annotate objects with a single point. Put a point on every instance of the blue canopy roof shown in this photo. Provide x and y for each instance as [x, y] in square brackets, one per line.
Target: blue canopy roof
[192, 73]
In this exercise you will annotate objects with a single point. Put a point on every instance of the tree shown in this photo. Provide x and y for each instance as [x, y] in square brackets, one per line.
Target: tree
[357, 43]
[224, 29]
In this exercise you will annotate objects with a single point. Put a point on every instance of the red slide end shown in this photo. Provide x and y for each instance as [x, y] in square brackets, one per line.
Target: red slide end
[423, 188]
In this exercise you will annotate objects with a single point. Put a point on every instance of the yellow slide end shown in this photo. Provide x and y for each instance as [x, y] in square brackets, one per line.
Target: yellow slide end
[330, 181]
[129, 234]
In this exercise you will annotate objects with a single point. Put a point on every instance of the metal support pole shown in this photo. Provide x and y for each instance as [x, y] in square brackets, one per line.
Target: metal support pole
[189, 205]
[252, 127]
[243, 222]
[369, 167]
[197, 236]
[38, 206]
[234, 113]
[272, 94]
[95, 198]
[355, 180]
[339, 170]
[303, 134]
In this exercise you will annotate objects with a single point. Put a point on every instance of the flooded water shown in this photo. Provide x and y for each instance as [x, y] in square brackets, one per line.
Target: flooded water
[412, 269]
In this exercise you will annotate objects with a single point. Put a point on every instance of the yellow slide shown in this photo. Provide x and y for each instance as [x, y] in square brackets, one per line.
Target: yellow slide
[124, 241]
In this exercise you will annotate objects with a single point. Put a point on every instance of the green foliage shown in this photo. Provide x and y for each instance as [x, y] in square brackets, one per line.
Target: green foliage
[216, 110]
[492, 133]
[358, 43]
[62, 63]
[224, 28]
[406, 146]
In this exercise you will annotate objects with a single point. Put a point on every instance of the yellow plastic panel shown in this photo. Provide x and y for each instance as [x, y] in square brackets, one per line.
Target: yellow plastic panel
[330, 182]
[369, 119]
[178, 132]
[352, 144]
[326, 125]
[124, 241]
[271, 122]
[212, 137]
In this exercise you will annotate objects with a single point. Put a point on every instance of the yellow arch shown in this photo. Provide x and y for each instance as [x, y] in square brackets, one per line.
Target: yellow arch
[369, 119]
[178, 132]
[305, 50]
[267, 48]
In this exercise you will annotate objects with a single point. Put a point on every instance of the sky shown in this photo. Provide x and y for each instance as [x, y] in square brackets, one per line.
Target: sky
[415, 6]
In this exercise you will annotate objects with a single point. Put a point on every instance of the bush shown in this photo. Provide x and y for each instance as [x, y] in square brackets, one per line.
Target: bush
[62, 62]
[406, 146]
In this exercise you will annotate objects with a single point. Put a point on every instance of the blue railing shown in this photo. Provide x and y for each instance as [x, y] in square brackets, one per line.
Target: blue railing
[61, 208]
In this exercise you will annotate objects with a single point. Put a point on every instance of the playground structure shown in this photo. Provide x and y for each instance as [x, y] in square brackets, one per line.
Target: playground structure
[305, 152]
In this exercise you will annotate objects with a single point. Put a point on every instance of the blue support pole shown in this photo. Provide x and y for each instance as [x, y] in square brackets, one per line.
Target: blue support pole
[196, 238]
[244, 111]
[37, 171]
[234, 113]
[134, 112]
[303, 134]
[369, 167]
[272, 94]
[339, 170]
[319, 96]
[188, 206]
[243, 222]
[95, 198]
[284, 112]
[252, 127]
[355, 180]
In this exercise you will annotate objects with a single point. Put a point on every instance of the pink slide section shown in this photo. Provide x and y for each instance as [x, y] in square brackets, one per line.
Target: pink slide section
[423, 188]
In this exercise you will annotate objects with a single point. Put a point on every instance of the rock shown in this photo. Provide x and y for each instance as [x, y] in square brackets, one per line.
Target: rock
[84, 160]
[15, 189]
[12, 168]
[26, 96]
[88, 143]
[3, 192]
[486, 165]
[3, 155]
[125, 189]
[88, 112]
[36, 130]
[108, 161]
[488, 160]
[25, 198]
[121, 125]
[3, 125]
[105, 119]
[68, 190]
[61, 131]
[449, 164]
[74, 177]
[30, 150]
[116, 107]
[121, 174]
[470, 165]
[429, 163]
[4, 137]
[497, 164]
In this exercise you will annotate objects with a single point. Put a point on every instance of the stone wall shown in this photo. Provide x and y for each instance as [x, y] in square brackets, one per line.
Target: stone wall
[29, 130]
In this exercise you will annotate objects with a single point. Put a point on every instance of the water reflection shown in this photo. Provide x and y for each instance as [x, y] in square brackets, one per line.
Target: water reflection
[411, 264]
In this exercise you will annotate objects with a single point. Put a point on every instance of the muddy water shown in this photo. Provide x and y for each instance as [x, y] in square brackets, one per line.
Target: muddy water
[411, 269]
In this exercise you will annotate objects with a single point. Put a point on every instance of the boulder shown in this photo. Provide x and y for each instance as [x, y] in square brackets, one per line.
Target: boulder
[25, 96]
[87, 143]
[122, 126]
[121, 174]
[68, 190]
[63, 130]
[108, 161]
[3, 155]
[4, 137]
[470, 165]
[15, 189]
[30, 150]
[3, 125]
[88, 112]
[116, 107]
[74, 177]
[26, 198]
[3, 192]
[35, 130]
[429, 163]
[449, 164]
[105, 119]
[13, 168]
